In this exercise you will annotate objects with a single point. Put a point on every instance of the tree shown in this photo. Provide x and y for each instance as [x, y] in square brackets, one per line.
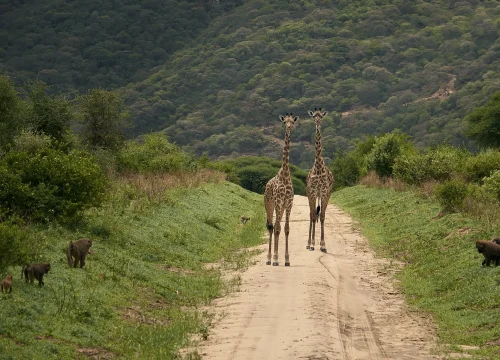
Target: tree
[11, 112]
[103, 119]
[48, 115]
[484, 123]
[254, 178]
[369, 93]
[385, 150]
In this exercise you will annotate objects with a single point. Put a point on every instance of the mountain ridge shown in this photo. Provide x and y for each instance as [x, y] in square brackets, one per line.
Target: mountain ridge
[267, 58]
[370, 63]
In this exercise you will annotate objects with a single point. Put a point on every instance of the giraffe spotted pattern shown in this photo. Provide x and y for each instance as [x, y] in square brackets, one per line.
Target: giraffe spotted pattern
[278, 197]
[319, 185]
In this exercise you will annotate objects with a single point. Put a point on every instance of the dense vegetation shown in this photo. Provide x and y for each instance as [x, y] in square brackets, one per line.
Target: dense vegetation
[50, 173]
[89, 44]
[459, 179]
[419, 66]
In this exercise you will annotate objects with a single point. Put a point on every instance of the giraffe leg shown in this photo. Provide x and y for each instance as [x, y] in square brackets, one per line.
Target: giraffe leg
[308, 246]
[268, 262]
[312, 219]
[277, 230]
[314, 216]
[287, 231]
[324, 204]
[269, 224]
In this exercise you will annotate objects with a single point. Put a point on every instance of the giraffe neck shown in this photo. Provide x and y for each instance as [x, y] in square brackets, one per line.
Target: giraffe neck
[285, 163]
[319, 157]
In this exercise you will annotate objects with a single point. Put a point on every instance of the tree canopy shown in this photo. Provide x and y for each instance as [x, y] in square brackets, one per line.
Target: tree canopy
[214, 75]
[484, 123]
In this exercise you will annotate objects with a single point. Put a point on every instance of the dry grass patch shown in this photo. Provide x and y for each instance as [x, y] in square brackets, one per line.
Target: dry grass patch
[175, 269]
[135, 314]
[96, 353]
[154, 186]
[375, 181]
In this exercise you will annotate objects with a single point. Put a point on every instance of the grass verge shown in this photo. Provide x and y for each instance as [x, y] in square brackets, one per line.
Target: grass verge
[443, 274]
[138, 295]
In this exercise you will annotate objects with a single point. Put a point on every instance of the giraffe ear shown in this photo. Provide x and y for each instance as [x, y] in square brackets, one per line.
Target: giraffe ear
[295, 119]
[325, 113]
[282, 118]
[310, 113]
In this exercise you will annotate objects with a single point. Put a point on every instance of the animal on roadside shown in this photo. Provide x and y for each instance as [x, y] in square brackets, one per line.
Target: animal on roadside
[319, 186]
[244, 219]
[496, 240]
[6, 284]
[35, 271]
[77, 251]
[490, 251]
[278, 196]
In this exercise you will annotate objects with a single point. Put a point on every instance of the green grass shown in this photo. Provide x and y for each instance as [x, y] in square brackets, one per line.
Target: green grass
[140, 292]
[443, 275]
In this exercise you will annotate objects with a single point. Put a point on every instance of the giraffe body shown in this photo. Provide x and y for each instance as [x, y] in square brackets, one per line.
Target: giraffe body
[319, 186]
[278, 197]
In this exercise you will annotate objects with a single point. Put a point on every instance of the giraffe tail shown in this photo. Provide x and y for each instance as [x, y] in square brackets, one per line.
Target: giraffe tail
[269, 226]
[318, 210]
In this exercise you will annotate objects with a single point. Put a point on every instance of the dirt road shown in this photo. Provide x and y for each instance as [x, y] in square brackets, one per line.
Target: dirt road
[339, 305]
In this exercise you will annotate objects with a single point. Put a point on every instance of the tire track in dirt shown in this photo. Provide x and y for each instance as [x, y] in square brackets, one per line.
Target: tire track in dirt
[339, 305]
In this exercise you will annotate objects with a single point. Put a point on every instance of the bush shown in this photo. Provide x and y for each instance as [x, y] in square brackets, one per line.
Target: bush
[155, 155]
[492, 184]
[439, 164]
[253, 172]
[385, 150]
[482, 165]
[17, 247]
[451, 195]
[30, 142]
[347, 169]
[49, 184]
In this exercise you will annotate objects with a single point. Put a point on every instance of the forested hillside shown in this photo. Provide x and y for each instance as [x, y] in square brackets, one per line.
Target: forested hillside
[215, 74]
[88, 44]
[419, 66]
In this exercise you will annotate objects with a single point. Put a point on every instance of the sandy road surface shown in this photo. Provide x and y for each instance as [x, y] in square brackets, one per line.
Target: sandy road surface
[339, 305]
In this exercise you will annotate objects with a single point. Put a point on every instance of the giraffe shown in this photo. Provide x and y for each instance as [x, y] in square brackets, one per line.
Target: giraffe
[278, 196]
[319, 186]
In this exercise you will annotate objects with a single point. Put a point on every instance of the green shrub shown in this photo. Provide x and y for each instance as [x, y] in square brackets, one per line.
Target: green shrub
[17, 246]
[439, 163]
[255, 178]
[385, 150]
[31, 143]
[451, 194]
[348, 169]
[492, 184]
[253, 172]
[49, 184]
[299, 188]
[154, 155]
[482, 165]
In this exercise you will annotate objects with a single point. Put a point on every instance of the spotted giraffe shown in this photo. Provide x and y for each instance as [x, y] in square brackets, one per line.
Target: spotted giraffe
[278, 196]
[319, 186]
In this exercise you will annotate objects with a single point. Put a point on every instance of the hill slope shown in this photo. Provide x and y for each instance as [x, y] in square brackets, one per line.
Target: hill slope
[87, 44]
[370, 60]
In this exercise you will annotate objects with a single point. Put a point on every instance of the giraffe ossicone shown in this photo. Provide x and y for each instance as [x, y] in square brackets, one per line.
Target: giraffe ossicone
[278, 196]
[319, 186]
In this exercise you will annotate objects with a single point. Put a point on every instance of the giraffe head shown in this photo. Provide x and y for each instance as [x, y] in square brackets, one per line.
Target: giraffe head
[318, 115]
[289, 120]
